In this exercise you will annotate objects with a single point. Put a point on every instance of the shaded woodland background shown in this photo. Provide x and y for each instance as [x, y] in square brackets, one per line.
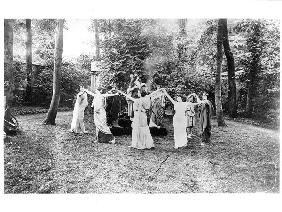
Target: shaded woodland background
[180, 55]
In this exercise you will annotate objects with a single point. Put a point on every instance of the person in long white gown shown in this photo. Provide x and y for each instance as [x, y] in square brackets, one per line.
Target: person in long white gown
[77, 124]
[103, 132]
[141, 136]
[179, 121]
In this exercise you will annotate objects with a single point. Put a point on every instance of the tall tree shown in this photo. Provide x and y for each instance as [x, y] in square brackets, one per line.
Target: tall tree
[28, 60]
[52, 113]
[255, 48]
[8, 58]
[181, 39]
[124, 50]
[182, 27]
[97, 41]
[218, 102]
[232, 102]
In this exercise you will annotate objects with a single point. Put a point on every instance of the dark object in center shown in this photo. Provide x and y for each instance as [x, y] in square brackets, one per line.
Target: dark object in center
[104, 138]
[126, 129]
[113, 108]
[158, 131]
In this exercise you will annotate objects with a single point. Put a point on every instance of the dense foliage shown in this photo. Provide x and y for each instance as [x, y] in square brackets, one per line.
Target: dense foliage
[123, 49]
[259, 60]
[177, 54]
[42, 83]
[74, 73]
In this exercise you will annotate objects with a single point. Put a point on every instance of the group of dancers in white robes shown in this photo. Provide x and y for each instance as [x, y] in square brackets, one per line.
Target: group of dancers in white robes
[103, 132]
[138, 105]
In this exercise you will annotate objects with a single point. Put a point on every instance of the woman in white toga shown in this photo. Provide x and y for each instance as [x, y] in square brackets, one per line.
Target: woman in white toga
[77, 124]
[103, 131]
[141, 136]
[179, 120]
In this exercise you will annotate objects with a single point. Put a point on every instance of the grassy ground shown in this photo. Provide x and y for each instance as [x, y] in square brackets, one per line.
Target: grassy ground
[49, 159]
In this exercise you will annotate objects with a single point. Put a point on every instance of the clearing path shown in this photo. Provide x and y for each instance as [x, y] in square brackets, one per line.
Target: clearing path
[50, 159]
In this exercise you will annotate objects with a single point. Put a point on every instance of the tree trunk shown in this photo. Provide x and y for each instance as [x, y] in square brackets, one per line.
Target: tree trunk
[181, 37]
[8, 59]
[97, 41]
[251, 86]
[150, 79]
[232, 102]
[182, 27]
[218, 103]
[249, 100]
[28, 61]
[255, 48]
[52, 113]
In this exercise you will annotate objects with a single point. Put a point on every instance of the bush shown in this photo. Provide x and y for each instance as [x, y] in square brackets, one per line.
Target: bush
[71, 79]
[43, 84]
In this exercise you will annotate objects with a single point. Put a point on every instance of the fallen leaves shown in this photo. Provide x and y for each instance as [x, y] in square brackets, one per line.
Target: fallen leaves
[49, 159]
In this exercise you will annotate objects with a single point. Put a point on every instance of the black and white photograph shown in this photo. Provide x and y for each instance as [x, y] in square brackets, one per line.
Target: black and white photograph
[149, 105]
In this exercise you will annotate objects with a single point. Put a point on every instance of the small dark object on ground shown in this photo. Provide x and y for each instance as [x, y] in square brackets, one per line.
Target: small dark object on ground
[158, 131]
[119, 131]
[125, 129]
[124, 122]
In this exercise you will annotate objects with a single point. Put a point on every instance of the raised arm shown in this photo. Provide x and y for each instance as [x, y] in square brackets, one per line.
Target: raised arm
[92, 105]
[127, 96]
[81, 97]
[108, 95]
[89, 92]
[168, 96]
[131, 89]
[155, 91]
[81, 93]
[192, 94]
[197, 98]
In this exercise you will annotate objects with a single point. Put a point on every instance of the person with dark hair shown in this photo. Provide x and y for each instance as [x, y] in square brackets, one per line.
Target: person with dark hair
[205, 96]
[190, 114]
[205, 110]
[141, 136]
[113, 108]
[179, 120]
[103, 131]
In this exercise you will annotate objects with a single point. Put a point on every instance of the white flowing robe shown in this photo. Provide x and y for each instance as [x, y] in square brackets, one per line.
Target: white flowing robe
[100, 117]
[180, 124]
[141, 136]
[81, 103]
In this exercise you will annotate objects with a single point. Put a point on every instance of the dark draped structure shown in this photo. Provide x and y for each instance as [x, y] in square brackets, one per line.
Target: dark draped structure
[203, 121]
[117, 115]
